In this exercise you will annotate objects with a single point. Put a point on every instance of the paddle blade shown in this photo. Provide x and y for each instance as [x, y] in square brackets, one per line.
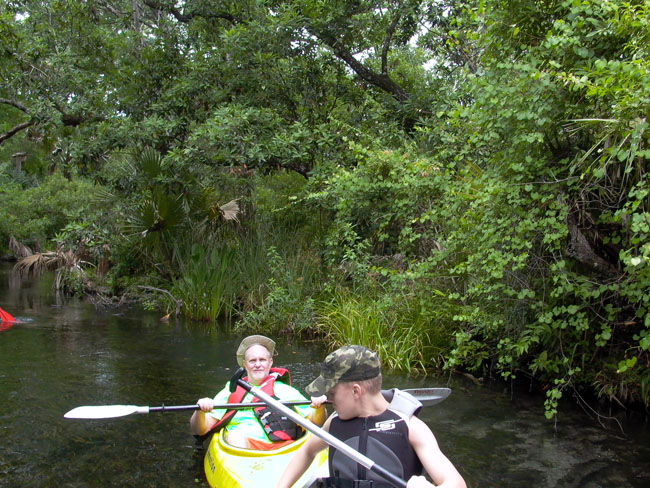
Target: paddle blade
[429, 396]
[104, 411]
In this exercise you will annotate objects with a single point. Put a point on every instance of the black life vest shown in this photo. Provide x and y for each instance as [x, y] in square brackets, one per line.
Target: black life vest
[276, 426]
[384, 438]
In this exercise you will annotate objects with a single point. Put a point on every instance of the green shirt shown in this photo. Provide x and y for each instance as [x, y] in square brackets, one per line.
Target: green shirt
[245, 422]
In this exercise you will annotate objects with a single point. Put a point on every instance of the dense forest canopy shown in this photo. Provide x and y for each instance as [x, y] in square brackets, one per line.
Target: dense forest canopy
[458, 184]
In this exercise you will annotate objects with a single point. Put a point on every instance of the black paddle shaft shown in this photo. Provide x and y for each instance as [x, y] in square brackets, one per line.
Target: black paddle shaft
[226, 406]
[173, 408]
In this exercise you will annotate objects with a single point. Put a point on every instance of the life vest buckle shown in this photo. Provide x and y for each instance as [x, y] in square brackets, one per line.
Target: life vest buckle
[335, 482]
[362, 483]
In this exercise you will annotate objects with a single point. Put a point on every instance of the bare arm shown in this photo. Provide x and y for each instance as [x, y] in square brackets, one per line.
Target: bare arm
[437, 465]
[200, 423]
[302, 459]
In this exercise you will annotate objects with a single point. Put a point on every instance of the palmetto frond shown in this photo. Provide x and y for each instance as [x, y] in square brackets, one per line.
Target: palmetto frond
[230, 210]
[150, 162]
[63, 263]
[18, 248]
[38, 263]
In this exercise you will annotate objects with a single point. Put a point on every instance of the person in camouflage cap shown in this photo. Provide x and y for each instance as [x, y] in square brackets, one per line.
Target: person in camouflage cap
[393, 438]
[349, 363]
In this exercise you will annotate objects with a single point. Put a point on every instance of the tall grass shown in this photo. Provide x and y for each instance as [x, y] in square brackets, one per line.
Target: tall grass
[204, 283]
[251, 268]
[356, 319]
[286, 304]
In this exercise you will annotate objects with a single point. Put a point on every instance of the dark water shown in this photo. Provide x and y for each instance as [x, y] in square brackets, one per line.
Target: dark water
[69, 354]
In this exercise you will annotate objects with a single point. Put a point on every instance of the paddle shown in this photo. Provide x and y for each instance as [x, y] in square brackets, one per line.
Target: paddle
[426, 396]
[113, 411]
[326, 436]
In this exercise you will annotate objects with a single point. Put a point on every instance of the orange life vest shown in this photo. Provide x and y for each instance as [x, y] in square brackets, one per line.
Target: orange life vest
[276, 426]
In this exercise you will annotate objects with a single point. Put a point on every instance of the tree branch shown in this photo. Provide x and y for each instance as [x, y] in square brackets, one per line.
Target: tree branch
[381, 80]
[187, 17]
[580, 250]
[14, 103]
[386, 47]
[14, 130]
[177, 302]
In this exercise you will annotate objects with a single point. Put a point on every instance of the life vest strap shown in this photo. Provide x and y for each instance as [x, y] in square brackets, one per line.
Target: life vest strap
[238, 393]
[335, 482]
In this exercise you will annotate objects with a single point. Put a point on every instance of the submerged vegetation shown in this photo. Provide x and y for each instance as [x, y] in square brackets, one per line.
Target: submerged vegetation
[459, 185]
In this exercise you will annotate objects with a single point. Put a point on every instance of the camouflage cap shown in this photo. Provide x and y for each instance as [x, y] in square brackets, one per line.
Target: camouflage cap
[349, 363]
[249, 341]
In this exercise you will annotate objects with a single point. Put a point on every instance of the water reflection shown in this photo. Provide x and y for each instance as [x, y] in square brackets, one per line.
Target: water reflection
[68, 354]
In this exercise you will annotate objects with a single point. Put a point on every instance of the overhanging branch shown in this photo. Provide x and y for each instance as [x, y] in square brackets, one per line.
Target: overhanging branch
[386, 47]
[15, 104]
[380, 80]
[14, 130]
[186, 17]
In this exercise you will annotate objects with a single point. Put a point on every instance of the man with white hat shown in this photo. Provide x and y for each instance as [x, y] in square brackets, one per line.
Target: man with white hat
[259, 428]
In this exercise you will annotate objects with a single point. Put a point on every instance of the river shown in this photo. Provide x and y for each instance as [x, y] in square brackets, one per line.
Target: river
[66, 354]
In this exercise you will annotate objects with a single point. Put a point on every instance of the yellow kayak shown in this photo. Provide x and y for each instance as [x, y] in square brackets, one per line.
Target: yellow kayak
[233, 467]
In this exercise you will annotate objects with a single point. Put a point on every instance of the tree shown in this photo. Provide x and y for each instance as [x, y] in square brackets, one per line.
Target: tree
[550, 228]
[141, 71]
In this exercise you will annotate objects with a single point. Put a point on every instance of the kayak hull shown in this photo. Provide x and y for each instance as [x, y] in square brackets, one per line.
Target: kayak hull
[232, 467]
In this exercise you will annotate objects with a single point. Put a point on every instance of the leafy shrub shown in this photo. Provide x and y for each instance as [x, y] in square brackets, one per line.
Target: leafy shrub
[34, 215]
[286, 297]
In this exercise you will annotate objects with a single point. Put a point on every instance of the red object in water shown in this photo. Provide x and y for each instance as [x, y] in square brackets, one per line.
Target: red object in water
[6, 318]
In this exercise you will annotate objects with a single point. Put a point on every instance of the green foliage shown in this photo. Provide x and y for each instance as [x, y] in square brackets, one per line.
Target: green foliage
[548, 248]
[535, 230]
[347, 318]
[34, 215]
[472, 194]
[378, 205]
[385, 228]
[286, 303]
[204, 285]
[166, 207]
